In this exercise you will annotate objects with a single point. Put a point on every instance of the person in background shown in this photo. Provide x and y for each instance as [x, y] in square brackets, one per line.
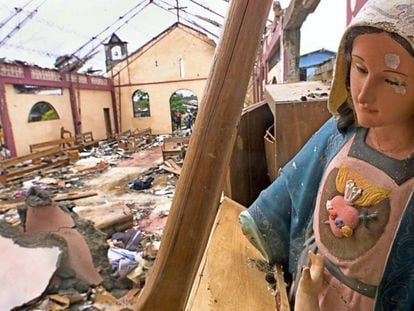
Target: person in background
[178, 120]
[343, 207]
[188, 120]
[4, 152]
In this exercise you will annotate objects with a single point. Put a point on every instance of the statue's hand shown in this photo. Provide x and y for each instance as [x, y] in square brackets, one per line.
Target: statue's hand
[310, 284]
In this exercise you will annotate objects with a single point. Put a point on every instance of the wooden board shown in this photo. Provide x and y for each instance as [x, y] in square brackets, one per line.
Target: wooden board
[228, 279]
[170, 169]
[107, 215]
[295, 123]
[6, 206]
[29, 171]
[29, 157]
[174, 165]
[199, 189]
[292, 92]
[295, 120]
[74, 195]
[57, 143]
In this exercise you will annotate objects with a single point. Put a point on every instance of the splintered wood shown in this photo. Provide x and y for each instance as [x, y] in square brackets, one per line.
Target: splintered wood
[74, 195]
[172, 167]
[227, 280]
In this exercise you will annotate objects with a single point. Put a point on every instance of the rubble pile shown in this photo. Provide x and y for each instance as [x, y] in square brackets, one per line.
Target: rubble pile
[103, 215]
[314, 94]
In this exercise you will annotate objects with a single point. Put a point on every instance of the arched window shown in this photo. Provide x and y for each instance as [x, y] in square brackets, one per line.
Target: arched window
[42, 111]
[140, 104]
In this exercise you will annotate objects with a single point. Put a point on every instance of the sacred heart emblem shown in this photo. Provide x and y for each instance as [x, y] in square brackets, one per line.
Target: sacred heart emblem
[343, 216]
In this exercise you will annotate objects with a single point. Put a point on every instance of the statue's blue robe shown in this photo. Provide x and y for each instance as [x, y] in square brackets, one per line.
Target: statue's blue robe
[283, 215]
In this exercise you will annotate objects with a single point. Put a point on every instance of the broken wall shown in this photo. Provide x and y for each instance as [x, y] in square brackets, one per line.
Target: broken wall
[22, 86]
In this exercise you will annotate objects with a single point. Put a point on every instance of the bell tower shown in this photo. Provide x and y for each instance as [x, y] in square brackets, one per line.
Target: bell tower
[115, 51]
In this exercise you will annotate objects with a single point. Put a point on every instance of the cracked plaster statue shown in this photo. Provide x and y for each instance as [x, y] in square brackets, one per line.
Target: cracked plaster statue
[348, 194]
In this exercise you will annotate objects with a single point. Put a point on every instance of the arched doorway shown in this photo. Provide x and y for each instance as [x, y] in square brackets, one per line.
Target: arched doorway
[183, 109]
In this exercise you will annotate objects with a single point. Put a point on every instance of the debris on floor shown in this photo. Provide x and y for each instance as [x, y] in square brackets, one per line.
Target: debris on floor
[91, 228]
[141, 183]
[110, 217]
[24, 259]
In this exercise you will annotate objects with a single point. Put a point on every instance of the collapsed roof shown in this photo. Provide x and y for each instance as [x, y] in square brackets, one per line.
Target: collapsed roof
[69, 35]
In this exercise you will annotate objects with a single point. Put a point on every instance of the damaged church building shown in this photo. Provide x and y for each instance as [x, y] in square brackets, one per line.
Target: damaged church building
[122, 190]
[37, 102]
[52, 120]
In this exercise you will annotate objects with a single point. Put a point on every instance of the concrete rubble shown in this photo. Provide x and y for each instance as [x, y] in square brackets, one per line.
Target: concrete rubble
[18, 263]
[85, 235]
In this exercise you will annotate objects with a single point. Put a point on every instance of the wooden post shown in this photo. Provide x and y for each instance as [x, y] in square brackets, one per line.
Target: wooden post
[196, 200]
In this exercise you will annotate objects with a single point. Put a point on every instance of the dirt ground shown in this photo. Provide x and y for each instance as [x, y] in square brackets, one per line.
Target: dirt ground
[112, 185]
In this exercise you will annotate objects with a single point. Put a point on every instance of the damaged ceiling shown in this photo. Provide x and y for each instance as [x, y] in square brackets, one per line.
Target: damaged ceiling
[42, 31]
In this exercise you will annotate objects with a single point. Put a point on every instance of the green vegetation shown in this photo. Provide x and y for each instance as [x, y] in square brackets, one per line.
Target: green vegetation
[50, 115]
[177, 103]
[141, 105]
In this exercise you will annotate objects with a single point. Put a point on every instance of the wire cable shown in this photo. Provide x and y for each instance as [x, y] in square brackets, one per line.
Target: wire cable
[17, 12]
[187, 20]
[21, 24]
[107, 28]
[207, 8]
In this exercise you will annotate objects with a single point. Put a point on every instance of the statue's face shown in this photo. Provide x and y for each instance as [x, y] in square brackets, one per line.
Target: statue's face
[382, 81]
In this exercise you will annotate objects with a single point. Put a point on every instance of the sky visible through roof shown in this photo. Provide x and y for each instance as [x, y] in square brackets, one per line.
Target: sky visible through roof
[39, 31]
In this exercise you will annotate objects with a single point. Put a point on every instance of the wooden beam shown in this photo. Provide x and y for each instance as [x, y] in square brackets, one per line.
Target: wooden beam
[74, 195]
[196, 200]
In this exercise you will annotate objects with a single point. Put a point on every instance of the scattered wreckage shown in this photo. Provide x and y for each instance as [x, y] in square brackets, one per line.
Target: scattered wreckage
[83, 254]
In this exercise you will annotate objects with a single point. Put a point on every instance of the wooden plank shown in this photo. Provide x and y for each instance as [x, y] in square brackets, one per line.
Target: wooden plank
[168, 164]
[202, 178]
[6, 206]
[229, 279]
[29, 174]
[60, 143]
[174, 165]
[107, 215]
[74, 195]
[281, 288]
[292, 92]
[170, 169]
[36, 167]
[294, 125]
[85, 140]
[174, 144]
[295, 120]
[142, 132]
[13, 161]
[25, 170]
